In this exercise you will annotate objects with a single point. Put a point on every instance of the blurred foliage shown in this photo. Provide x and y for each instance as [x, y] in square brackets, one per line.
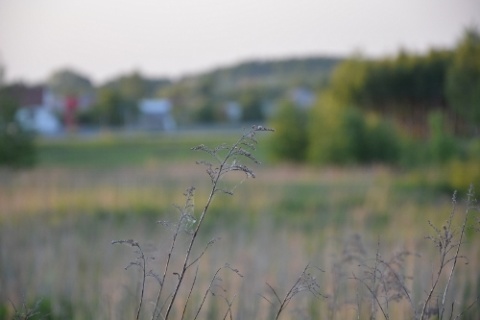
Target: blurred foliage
[382, 141]
[346, 135]
[40, 309]
[405, 88]
[135, 86]
[199, 98]
[204, 103]
[463, 83]
[290, 141]
[441, 143]
[17, 147]
[347, 84]
[68, 82]
[411, 109]
[408, 87]
[111, 109]
[117, 100]
[207, 113]
[252, 103]
[326, 121]
[461, 173]
[407, 80]
[253, 85]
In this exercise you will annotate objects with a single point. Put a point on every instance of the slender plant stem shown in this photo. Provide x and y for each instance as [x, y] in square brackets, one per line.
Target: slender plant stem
[144, 275]
[216, 179]
[155, 314]
[457, 252]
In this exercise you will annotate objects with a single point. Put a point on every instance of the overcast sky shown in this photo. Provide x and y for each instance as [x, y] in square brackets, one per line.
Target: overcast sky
[105, 38]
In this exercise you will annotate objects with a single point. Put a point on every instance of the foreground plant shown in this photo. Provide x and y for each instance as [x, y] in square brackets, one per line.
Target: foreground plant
[224, 160]
[306, 282]
[449, 241]
[386, 281]
[380, 282]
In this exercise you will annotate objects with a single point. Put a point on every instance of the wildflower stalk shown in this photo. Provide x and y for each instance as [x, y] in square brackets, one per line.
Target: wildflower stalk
[216, 173]
[444, 240]
[457, 252]
[141, 264]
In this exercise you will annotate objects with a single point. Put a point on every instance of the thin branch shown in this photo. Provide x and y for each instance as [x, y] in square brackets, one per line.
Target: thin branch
[457, 252]
[189, 293]
[373, 295]
[216, 176]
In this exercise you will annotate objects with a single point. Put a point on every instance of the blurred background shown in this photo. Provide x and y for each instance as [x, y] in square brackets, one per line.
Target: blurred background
[376, 111]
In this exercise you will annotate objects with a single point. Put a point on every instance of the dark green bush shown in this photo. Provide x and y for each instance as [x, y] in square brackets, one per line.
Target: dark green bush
[441, 144]
[17, 148]
[370, 139]
[353, 137]
[290, 141]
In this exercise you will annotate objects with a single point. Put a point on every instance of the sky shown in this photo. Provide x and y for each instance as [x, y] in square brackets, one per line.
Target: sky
[102, 39]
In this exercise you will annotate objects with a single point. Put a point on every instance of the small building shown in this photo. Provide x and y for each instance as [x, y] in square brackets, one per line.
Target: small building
[233, 111]
[302, 97]
[35, 112]
[156, 114]
[39, 120]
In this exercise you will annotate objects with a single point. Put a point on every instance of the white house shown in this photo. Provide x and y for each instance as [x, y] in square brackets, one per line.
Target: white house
[233, 111]
[155, 114]
[302, 97]
[36, 113]
[39, 120]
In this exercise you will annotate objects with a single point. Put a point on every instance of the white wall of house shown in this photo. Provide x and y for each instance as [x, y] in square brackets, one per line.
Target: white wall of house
[155, 114]
[38, 119]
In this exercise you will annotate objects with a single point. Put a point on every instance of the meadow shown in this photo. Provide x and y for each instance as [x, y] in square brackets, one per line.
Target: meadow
[362, 231]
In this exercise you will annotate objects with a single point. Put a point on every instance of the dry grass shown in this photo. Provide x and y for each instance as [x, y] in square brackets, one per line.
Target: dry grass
[56, 226]
[75, 263]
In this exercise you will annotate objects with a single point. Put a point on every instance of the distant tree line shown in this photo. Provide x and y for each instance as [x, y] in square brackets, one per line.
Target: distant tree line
[410, 86]
[196, 98]
[371, 107]
[253, 85]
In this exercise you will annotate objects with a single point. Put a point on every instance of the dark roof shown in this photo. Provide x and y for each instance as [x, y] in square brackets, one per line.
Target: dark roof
[26, 96]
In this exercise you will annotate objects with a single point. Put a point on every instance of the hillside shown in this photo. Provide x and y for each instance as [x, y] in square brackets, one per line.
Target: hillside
[309, 72]
[252, 84]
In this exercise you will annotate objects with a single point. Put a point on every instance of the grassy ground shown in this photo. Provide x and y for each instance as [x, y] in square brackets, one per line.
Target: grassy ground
[57, 222]
[109, 150]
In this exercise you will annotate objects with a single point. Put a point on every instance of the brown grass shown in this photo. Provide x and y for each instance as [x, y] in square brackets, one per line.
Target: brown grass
[54, 244]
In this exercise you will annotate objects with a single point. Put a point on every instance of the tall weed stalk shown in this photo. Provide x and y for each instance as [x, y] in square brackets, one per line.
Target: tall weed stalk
[449, 241]
[224, 160]
[386, 281]
[381, 281]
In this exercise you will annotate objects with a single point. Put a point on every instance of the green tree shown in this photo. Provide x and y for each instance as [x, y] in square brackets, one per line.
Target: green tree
[342, 135]
[290, 140]
[206, 113]
[383, 142]
[111, 108]
[126, 92]
[17, 147]
[441, 144]
[204, 100]
[251, 101]
[68, 82]
[132, 87]
[327, 143]
[347, 84]
[463, 79]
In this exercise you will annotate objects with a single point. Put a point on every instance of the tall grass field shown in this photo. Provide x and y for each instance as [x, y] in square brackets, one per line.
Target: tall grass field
[365, 242]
